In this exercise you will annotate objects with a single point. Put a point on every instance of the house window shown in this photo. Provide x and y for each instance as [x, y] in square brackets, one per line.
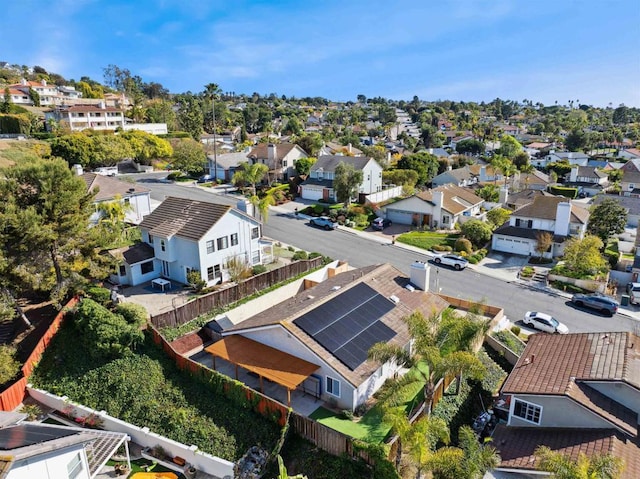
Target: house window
[210, 247]
[517, 222]
[284, 163]
[234, 239]
[123, 270]
[127, 201]
[445, 219]
[530, 224]
[163, 246]
[255, 232]
[333, 386]
[527, 411]
[210, 273]
[74, 468]
[150, 239]
[146, 267]
[223, 243]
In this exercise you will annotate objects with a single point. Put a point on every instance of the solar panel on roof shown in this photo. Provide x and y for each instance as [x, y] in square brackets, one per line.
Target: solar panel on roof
[349, 324]
[24, 435]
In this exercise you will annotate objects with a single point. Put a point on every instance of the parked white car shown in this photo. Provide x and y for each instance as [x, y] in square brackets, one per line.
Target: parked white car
[544, 322]
[453, 260]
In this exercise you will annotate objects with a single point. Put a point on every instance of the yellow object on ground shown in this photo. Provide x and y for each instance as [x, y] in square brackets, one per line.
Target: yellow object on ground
[154, 475]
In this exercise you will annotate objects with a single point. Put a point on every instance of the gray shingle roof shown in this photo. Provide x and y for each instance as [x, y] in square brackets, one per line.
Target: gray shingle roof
[329, 162]
[188, 219]
[111, 187]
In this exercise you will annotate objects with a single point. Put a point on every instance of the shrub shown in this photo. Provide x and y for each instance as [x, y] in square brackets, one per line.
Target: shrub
[291, 248]
[516, 330]
[134, 314]
[347, 414]
[300, 254]
[318, 209]
[463, 245]
[195, 280]
[99, 295]
[174, 176]
[473, 260]
[442, 247]
[9, 365]
[478, 232]
[259, 269]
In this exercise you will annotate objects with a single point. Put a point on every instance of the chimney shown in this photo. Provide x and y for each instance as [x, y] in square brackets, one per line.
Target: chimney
[503, 194]
[101, 105]
[563, 218]
[23, 82]
[43, 82]
[574, 174]
[271, 153]
[483, 173]
[77, 169]
[245, 206]
[419, 275]
[438, 199]
[388, 157]
[349, 148]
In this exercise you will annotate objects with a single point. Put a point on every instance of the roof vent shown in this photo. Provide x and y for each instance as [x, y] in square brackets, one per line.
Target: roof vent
[310, 297]
[394, 298]
[410, 287]
[336, 288]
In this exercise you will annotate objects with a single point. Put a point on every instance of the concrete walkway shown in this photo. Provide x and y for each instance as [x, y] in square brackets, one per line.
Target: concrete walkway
[500, 266]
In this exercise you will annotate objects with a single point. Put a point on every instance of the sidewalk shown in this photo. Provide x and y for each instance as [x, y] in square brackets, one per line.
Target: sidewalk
[507, 272]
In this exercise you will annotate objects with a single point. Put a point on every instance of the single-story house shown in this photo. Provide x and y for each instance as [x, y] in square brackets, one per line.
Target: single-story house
[576, 394]
[463, 176]
[319, 339]
[440, 207]
[223, 166]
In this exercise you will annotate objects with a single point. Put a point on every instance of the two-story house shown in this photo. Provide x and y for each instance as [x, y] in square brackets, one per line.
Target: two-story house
[552, 214]
[181, 236]
[459, 176]
[280, 158]
[589, 180]
[576, 394]
[630, 183]
[440, 207]
[82, 117]
[572, 157]
[319, 184]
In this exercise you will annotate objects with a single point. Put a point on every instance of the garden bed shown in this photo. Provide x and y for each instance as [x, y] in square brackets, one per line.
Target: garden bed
[428, 240]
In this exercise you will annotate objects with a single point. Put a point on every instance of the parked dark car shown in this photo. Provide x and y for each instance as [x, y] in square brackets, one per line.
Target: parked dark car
[323, 222]
[597, 301]
[205, 179]
[380, 223]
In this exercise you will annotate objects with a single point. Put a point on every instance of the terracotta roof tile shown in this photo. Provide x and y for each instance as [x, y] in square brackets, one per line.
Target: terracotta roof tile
[456, 199]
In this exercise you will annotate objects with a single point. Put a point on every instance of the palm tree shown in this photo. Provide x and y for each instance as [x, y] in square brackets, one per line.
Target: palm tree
[441, 347]
[422, 438]
[282, 471]
[250, 174]
[597, 466]
[262, 205]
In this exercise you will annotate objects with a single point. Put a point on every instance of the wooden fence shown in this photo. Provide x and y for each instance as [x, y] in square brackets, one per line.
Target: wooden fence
[227, 296]
[11, 397]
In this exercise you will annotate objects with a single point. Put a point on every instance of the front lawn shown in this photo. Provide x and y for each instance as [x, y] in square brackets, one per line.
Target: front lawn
[427, 239]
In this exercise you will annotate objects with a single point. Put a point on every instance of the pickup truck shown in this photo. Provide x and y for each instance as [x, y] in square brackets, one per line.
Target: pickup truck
[449, 259]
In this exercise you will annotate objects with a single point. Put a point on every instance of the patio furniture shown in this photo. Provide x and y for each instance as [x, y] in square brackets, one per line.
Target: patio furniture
[161, 282]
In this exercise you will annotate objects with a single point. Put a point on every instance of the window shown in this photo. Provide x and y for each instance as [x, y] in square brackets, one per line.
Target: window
[223, 243]
[517, 222]
[333, 386]
[74, 468]
[234, 239]
[146, 267]
[530, 224]
[123, 270]
[210, 274]
[127, 201]
[527, 411]
[255, 232]
[150, 239]
[210, 247]
[284, 163]
[163, 246]
[445, 219]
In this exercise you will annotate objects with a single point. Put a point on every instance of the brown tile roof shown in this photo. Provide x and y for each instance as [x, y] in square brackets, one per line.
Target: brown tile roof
[524, 197]
[188, 219]
[261, 151]
[111, 187]
[516, 446]
[456, 199]
[583, 356]
[89, 108]
[545, 207]
[384, 279]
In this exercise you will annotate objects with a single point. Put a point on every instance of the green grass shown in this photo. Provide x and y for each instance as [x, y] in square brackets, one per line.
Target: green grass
[427, 240]
[370, 427]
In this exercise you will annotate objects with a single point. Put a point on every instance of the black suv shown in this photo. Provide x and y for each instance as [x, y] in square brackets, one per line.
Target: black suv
[597, 301]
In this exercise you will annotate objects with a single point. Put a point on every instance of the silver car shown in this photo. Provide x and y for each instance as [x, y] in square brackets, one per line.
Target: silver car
[544, 322]
[457, 262]
[323, 222]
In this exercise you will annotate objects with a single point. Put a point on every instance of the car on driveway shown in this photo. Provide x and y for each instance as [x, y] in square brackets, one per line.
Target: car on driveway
[544, 322]
[205, 179]
[633, 290]
[323, 222]
[597, 301]
[453, 260]
[380, 223]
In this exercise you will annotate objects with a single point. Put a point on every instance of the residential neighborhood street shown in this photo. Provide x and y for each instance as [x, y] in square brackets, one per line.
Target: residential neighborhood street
[362, 250]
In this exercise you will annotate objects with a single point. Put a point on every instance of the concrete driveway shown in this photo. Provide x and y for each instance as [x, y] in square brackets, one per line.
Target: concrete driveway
[501, 265]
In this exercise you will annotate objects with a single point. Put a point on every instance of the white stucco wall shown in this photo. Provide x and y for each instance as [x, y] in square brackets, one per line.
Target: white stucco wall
[558, 411]
[52, 465]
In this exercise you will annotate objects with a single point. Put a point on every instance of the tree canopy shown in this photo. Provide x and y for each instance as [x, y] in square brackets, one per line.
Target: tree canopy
[346, 182]
[423, 163]
[189, 156]
[582, 256]
[476, 231]
[607, 219]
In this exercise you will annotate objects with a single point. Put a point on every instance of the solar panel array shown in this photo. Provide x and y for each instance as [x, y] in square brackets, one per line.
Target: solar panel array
[24, 435]
[349, 324]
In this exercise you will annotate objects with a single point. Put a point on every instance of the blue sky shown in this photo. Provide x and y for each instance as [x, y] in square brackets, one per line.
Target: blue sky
[471, 50]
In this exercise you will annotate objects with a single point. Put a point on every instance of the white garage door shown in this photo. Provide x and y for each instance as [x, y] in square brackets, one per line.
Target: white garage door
[313, 194]
[399, 217]
[512, 245]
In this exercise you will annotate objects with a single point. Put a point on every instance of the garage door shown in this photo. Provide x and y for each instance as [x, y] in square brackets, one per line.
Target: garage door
[313, 194]
[511, 245]
[399, 217]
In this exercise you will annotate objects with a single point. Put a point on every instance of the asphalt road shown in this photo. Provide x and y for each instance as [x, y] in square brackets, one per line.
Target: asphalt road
[515, 298]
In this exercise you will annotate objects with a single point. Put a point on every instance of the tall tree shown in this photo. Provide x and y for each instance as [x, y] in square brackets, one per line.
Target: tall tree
[597, 466]
[190, 117]
[46, 240]
[441, 346]
[250, 174]
[607, 219]
[189, 156]
[346, 182]
[582, 256]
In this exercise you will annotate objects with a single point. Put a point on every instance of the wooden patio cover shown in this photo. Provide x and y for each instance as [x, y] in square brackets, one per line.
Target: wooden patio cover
[267, 362]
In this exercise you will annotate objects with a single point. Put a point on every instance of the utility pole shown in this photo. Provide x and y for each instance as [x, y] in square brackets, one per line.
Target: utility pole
[215, 141]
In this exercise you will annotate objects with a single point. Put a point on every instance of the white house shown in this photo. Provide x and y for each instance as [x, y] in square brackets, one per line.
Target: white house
[319, 184]
[30, 450]
[573, 157]
[588, 180]
[183, 235]
[318, 340]
[82, 117]
[440, 207]
[552, 214]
